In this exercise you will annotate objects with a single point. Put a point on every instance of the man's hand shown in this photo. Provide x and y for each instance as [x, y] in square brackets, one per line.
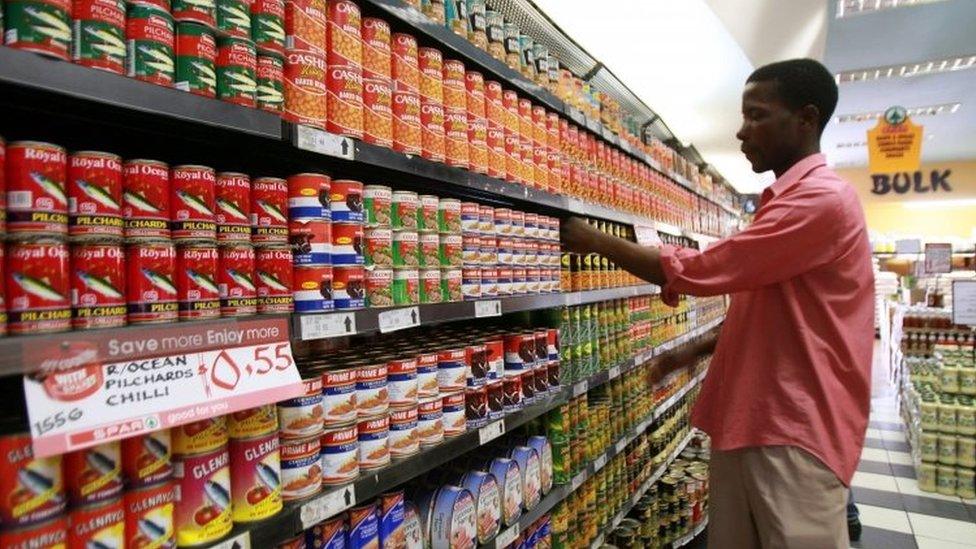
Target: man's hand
[578, 236]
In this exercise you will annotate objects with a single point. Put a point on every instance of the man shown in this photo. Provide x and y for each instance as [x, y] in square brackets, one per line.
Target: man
[787, 397]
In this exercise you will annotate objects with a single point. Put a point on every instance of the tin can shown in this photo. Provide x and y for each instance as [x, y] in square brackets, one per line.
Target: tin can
[232, 193]
[404, 211]
[456, 146]
[303, 416]
[330, 533]
[198, 295]
[301, 468]
[406, 249]
[235, 281]
[149, 516]
[346, 201]
[96, 299]
[496, 399]
[193, 197]
[236, 64]
[253, 422]
[488, 508]
[203, 503]
[51, 534]
[402, 381]
[489, 282]
[305, 25]
[37, 201]
[349, 287]
[429, 250]
[308, 196]
[427, 214]
[430, 421]
[151, 292]
[146, 200]
[339, 396]
[476, 407]
[450, 252]
[94, 474]
[149, 35]
[314, 288]
[452, 370]
[273, 277]
[339, 455]
[451, 282]
[530, 471]
[39, 27]
[476, 361]
[379, 287]
[344, 98]
[374, 448]
[146, 459]
[406, 121]
[505, 281]
[102, 523]
[405, 69]
[509, 477]
[404, 436]
[451, 513]
[196, 56]
[449, 216]
[455, 419]
[305, 81]
[406, 286]
[378, 111]
[513, 391]
[311, 241]
[363, 527]
[269, 212]
[470, 250]
[268, 26]
[37, 287]
[376, 48]
[430, 286]
[471, 283]
[391, 509]
[432, 131]
[256, 469]
[344, 44]
[379, 247]
[372, 395]
[234, 18]
[94, 195]
[203, 12]
[377, 201]
[31, 488]
[427, 385]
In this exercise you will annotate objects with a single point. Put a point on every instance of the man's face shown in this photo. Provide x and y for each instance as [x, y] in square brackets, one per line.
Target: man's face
[770, 131]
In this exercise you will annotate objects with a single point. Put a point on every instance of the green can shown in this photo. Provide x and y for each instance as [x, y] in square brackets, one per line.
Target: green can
[234, 18]
[149, 36]
[268, 26]
[236, 67]
[99, 34]
[406, 246]
[196, 53]
[271, 83]
[195, 11]
[449, 216]
[406, 287]
[947, 415]
[377, 200]
[430, 286]
[451, 285]
[404, 211]
[449, 250]
[40, 27]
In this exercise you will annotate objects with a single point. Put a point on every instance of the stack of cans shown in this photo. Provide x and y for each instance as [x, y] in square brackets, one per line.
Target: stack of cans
[349, 277]
[310, 236]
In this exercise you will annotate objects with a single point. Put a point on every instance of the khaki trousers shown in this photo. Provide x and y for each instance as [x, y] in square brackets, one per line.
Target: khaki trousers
[774, 497]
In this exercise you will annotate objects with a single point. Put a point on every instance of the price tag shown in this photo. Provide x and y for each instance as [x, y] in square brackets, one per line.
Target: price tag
[964, 302]
[327, 325]
[599, 462]
[580, 388]
[614, 372]
[486, 308]
[576, 115]
[507, 537]
[327, 505]
[619, 447]
[97, 403]
[577, 481]
[594, 125]
[240, 541]
[647, 236]
[399, 319]
[938, 258]
[573, 299]
[608, 134]
[491, 431]
[318, 141]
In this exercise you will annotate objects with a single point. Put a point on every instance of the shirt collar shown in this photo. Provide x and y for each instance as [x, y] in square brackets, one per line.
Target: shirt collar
[793, 176]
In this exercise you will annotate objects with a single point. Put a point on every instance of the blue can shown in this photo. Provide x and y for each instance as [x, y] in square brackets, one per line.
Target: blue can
[328, 534]
[509, 478]
[390, 513]
[364, 527]
[487, 502]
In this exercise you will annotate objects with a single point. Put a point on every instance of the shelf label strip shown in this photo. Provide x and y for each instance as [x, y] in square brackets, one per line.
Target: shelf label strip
[399, 319]
[487, 308]
[327, 325]
[328, 505]
[318, 141]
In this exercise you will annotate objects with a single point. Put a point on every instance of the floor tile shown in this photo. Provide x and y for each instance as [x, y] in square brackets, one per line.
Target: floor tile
[878, 538]
[886, 425]
[932, 543]
[878, 467]
[904, 471]
[886, 519]
[941, 528]
[894, 436]
[874, 481]
[874, 454]
[901, 458]
[910, 487]
[878, 498]
[874, 443]
[935, 508]
[874, 433]
[892, 445]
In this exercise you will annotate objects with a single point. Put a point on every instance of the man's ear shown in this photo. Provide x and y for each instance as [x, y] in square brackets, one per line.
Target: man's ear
[810, 116]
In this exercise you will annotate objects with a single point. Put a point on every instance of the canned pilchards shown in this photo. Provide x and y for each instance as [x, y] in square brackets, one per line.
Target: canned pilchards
[429, 250]
[149, 37]
[101, 524]
[99, 34]
[313, 288]
[193, 200]
[203, 12]
[97, 284]
[451, 285]
[196, 56]
[339, 396]
[199, 437]
[198, 295]
[455, 416]
[305, 87]
[449, 216]
[235, 280]
[404, 438]
[430, 421]
[378, 111]
[234, 18]
[268, 26]
[450, 251]
[52, 534]
[37, 200]
[146, 200]
[346, 201]
[149, 516]
[349, 287]
[232, 193]
[347, 244]
[269, 210]
[94, 474]
[303, 416]
[450, 512]
[31, 489]
[308, 196]
[40, 27]
[253, 422]
[406, 286]
[379, 287]
[273, 277]
[146, 459]
[488, 506]
[476, 406]
[301, 468]
[151, 292]
[404, 211]
[37, 287]
[496, 399]
[236, 65]
[339, 455]
[379, 247]
[372, 395]
[427, 385]
[430, 286]
[377, 201]
[376, 48]
[255, 468]
[405, 248]
[203, 503]
[374, 441]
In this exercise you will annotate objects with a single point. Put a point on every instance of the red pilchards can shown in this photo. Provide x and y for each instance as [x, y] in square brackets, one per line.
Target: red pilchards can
[146, 459]
[38, 284]
[305, 87]
[235, 279]
[269, 210]
[93, 474]
[343, 39]
[273, 278]
[51, 534]
[378, 111]
[99, 34]
[145, 196]
[31, 488]
[193, 197]
[150, 287]
[40, 27]
[149, 37]
[377, 54]
[344, 84]
[196, 56]
[37, 199]
[99, 524]
[268, 26]
[196, 287]
[233, 200]
[149, 516]
[94, 195]
[97, 286]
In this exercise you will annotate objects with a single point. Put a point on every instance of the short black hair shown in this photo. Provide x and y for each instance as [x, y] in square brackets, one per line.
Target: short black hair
[801, 82]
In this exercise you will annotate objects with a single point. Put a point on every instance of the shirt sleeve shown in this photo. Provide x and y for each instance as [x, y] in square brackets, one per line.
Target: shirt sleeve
[792, 234]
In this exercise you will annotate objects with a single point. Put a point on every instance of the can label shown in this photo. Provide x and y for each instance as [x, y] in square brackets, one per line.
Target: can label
[390, 513]
[303, 416]
[256, 469]
[504, 281]
[193, 197]
[379, 247]
[197, 11]
[236, 65]
[452, 370]
[496, 399]
[470, 250]
[37, 200]
[455, 420]
[513, 391]
[429, 252]
[344, 97]
[95, 195]
[269, 210]
[379, 287]
[94, 474]
[40, 27]
[235, 281]
[329, 534]
[451, 283]
[364, 527]
[405, 207]
[145, 195]
[405, 249]
[450, 251]
[405, 63]
[377, 53]
[471, 283]
[374, 443]
[149, 35]
[203, 505]
[311, 241]
[404, 439]
[476, 407]
[301, 469]
[31, 488]
[402, 381]
[339, 396]
[430, 421]
[313, 289]
[346, 201]
[449, 216]
[98, 524]
[305, 80]
[372, 396]
[196, 55]
[427, 375]
[340, 455]
[455, 136]
[432, 137]
[427, 216]
[273, 277]
[476, 360]
[149, 517]
[308, 196]
[378, 111]
[50, 535]
[253, 422]
[406, 287]
[232, 193]
[196, 274]
[146, 459]
[347, 244]
[344, 44]
[431, 65]
[406, 121]
[203, 436]
[234, 18]
[96, 282]
[349, 287]
[37, 282]
[430, 286]
[268, 26]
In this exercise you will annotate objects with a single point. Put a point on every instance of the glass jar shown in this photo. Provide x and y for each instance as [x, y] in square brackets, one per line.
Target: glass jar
[947, 449]
[946, 483]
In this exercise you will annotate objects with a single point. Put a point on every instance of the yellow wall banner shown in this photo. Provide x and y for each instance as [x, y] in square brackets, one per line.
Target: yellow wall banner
[894, 143]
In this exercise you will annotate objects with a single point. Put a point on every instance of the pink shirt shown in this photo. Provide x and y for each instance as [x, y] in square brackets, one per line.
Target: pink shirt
[793, 361]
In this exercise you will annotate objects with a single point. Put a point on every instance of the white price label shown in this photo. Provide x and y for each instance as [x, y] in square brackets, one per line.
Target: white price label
[578, 481]
[619, 447]
[240, 541]
[580, 388]
[327, 325]
[647, 236]
[625, 145]
[486, 308]
[491, 431]
[327, 505]
[614, 372]
[507, 537]
[964, 302]
[576, 115]
[318, 141]
[599, 462]
[399, 319]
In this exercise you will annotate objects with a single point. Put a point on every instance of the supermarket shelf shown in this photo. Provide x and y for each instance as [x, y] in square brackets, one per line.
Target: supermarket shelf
[678, 341]
[675, 398]
[686, 539]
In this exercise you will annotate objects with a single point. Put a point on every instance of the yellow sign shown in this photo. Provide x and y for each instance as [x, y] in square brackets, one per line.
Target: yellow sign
[895, 143]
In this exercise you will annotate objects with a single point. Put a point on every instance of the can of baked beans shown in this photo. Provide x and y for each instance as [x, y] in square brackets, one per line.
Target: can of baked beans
[377, 53]
[305, 74]
[37, 198]
[406, 121]
[273, 278]
[301, 467]
[378, 111]
[344, 99]
[339, 455]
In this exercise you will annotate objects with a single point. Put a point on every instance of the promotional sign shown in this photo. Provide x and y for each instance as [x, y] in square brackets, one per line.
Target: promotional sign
[217, 371]
[894, 143]
[938, 258]
[964, 302]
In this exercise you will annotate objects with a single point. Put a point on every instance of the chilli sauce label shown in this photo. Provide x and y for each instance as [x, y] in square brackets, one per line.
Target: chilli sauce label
[235, 281]
[94, 195]
[37, 199]
[149, 517]
[236, 65]
[145, 197]
[203, 510]
[193, 197]
[268, 26]
[196, 54]
[196, 275]
[99, 34]
[146, 459]
[37, 287]
[97, 286]
[31, 489]
[269, 210]
[255, 467]
[270, 76]
[149, 36]
[273, 277]
[150, 288]
[233, 201]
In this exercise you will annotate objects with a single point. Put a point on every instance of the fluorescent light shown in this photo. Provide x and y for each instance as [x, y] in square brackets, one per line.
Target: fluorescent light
[934, 66]
[937, 204]
[847, 8]
[927, 110]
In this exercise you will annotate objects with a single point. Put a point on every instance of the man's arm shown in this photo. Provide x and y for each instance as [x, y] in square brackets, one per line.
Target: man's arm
[639, 260]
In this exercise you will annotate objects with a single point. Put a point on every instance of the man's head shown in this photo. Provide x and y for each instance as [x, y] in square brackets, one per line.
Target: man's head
[785, 108]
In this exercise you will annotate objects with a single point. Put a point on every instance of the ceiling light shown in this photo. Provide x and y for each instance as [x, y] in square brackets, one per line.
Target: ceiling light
[928, 110]
[847, 8]
[935, 204]
[908, 70]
